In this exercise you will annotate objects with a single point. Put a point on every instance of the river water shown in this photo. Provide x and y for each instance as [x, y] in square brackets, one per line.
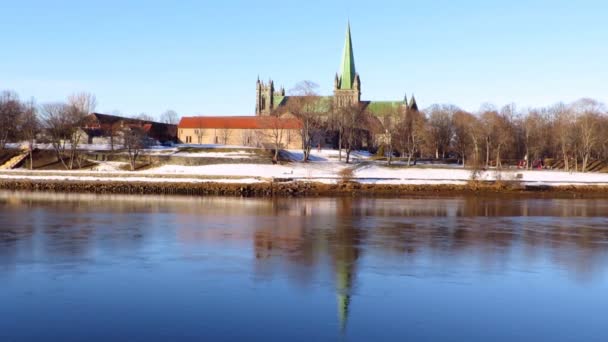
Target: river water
[120, 268]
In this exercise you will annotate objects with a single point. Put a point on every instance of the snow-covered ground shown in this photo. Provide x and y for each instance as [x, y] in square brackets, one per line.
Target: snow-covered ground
[293, 170]
[443, 175]
[329, 172]
[326, 172]
[326, 155]
[323, 167]
[143, 178]
[231, 155]
[107, 166]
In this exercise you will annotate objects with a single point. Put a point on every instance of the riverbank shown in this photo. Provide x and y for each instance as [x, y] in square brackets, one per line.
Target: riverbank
[213, 171]
[296, 188]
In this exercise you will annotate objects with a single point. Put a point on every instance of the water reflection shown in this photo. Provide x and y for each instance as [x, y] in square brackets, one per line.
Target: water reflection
[309, 242]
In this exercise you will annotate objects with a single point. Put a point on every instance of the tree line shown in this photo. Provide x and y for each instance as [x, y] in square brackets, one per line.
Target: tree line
[59, 124]
[571, 135]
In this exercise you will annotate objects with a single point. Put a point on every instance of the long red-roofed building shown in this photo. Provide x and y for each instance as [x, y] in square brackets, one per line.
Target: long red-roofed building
[253, 131]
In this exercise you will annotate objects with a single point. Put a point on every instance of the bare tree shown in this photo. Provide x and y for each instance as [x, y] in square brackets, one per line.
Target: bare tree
[76, 137]
[112, 130]
[62, 123]
[10, 110]
[79, 105]
[30, 127]
[499, 133]
[441, 128]
[57, 125]
[250, 138]
[602, 148]
[304, 105]
[274, 128]
[384, 122]
[336, 123]
[587, 113]
[135, 141]
[562, 123]
[225, 133]
[169, 117]
[505, 133]
[200, 131]
[409, 134]
[355, 124]
[535, 135]
[83, 102]
[476, 133]
[144, 117]
[389, 124]
[466, 137]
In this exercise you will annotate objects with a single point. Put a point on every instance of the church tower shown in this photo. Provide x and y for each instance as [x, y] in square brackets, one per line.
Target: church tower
[265, 97]
[347, 85]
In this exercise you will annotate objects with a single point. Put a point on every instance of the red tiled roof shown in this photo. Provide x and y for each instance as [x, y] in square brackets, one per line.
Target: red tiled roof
[239, 122]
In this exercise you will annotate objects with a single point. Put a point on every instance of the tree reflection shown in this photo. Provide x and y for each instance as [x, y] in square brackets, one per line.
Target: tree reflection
[305, 239]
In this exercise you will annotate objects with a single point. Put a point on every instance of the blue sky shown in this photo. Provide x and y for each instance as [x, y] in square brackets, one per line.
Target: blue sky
[203, 57]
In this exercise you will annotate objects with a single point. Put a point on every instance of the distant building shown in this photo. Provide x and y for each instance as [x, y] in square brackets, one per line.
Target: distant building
[106, 129]
[273, 103]
[252, 131]
[347, 90]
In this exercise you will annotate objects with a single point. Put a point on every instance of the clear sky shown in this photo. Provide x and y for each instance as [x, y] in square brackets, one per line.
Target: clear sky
[203, 57]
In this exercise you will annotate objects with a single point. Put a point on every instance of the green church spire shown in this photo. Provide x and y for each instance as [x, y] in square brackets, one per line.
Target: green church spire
[347, 69]
[344, 284]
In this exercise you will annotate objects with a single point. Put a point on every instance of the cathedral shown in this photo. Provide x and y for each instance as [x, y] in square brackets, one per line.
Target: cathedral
[347, 90]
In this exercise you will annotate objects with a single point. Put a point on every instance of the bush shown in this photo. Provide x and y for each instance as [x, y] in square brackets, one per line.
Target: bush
[346, 175]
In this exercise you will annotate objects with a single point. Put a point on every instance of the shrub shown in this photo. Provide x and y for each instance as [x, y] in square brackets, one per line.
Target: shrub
[346, 175]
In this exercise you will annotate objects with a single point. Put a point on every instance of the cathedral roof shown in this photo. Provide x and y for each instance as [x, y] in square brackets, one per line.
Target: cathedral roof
[278, 100]
[322, 103]
[383, 107]
[347, 68]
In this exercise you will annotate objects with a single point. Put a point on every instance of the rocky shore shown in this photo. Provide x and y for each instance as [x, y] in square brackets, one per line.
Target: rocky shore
[293, 189]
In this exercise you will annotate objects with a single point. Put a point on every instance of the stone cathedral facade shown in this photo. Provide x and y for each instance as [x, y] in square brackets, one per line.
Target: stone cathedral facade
[347, 90]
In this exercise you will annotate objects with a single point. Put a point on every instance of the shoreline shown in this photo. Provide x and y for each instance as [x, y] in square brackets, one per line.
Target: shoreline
[299, 189]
